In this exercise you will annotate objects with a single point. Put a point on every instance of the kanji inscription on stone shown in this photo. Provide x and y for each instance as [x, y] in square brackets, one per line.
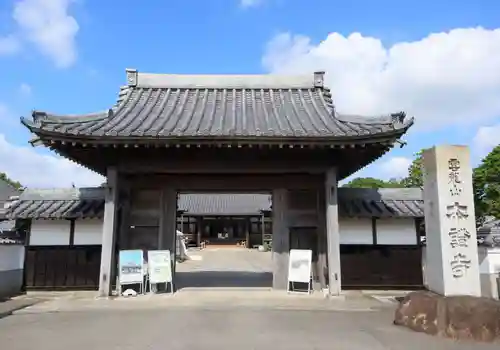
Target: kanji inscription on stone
[459, 265]
[452, 266]
[454, 176]
[459, 237]
[456, 211]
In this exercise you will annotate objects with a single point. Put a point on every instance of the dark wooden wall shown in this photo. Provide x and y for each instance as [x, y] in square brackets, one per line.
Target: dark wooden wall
[362, 266]
[62, 267]
[381, 266]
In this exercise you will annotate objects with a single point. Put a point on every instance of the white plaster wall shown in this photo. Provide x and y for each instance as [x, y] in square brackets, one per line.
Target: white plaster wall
[400, 231]
[355, 231]
[11, 257]
[50, 232]
[489, 260]
[88, 231]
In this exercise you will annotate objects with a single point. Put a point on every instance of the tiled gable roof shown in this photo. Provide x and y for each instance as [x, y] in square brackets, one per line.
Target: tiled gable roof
[89, 203]
[222, 106]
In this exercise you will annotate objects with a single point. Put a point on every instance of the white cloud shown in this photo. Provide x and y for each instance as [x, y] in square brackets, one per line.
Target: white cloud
[487, 137]
[250, 3]
[25, 89]
[444, 78]
[394, 167]
[46, 24]
[32, 169]
[9, 45]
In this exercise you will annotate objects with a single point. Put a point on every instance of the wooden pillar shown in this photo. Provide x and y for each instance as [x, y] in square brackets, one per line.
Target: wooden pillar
[262, 229]
[109, 229]
[248, 226]
[168, 222]
[322, 241]
[281, 239]
[332, 232]
[199, 227]
[124, 231]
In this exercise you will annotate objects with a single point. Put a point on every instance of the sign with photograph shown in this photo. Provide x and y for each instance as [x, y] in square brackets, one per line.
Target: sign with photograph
[160, 266]
[299, 266]
[131, 266]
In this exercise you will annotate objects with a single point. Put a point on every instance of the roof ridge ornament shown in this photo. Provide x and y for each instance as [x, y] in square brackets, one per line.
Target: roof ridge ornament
[131, 76]
[319, 79]
[398, 118]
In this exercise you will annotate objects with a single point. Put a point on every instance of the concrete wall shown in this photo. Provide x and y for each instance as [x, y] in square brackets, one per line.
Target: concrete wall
[489, 269]
[11, 269]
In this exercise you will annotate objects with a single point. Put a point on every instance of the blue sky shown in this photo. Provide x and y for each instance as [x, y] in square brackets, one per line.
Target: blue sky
[70, 57]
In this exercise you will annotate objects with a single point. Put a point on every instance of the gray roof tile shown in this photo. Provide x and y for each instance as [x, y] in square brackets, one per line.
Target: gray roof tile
[383, 202]
[231, 106]
[89, 203]
[226, 204]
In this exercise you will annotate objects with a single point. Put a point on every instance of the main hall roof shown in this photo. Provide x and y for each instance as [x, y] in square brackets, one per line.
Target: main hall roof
[163, 106]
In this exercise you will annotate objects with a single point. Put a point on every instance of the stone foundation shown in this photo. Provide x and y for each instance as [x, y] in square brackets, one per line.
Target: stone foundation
[457, 317]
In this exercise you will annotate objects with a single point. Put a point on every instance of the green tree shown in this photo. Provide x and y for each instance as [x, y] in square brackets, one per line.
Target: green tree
[415, 176]
[486, 181]
[370, 182]
[17, 185]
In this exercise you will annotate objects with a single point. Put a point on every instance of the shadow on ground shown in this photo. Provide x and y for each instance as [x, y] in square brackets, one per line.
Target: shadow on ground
[9, 305]
[224, 279]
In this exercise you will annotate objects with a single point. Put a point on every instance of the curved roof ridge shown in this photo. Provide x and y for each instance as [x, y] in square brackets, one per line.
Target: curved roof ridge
[222, 81]
[397, 119]
[377, 194]
[44, 117]
[62, 193]
[48, 118]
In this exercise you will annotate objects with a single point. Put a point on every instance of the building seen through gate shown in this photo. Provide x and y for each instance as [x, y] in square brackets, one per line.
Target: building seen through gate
[170, 134]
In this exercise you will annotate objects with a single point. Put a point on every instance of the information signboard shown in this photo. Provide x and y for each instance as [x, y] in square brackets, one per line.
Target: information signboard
[299, 268]
[131, 267]
[160, 266]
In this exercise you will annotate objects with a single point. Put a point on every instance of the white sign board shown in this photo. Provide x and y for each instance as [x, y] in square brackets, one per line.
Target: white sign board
[299, 266]
[160, 266]
[131, 266]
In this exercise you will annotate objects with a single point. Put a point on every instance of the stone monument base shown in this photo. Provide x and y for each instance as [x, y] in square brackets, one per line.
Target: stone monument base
[457, 317]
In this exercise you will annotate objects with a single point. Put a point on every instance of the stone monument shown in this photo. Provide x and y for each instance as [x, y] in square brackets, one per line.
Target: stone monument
[452, 266]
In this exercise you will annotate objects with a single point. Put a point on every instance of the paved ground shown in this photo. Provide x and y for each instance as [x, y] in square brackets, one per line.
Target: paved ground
[8, 306]
[226, 268]
[225, 328]
[230, 313]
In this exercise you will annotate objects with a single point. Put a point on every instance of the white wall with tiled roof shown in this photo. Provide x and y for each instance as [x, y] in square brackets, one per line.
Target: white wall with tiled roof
[49, 232]
[393, 231]
[88, 232]
[355, 231]
[396, 231]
